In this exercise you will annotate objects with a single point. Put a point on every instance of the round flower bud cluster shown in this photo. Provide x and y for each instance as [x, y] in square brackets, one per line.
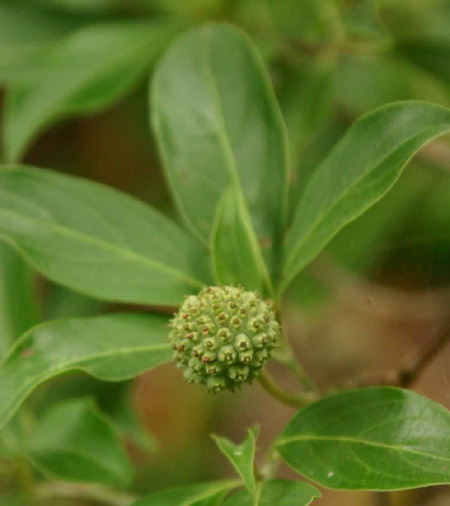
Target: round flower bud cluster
[223, 336]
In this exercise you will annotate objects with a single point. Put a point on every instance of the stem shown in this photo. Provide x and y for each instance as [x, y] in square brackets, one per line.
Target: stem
[288, 398]
[99, 494]
[287, 357]
[410, 375]
[407, 376]
[25, 478]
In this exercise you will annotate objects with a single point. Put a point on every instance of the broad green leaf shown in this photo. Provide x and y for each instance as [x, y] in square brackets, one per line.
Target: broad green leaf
[276, 492]
[242, 456]
[96, 240]
[359, 171]
[236, 254]
[75, 442]
[86, 72]
[370, 439]
[18, 307]
[217, 123]
[207, 494]
[109, 347]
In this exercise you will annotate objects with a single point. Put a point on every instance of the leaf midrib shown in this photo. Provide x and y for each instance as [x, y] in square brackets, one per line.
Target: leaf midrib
[77, 364]
[126, 254]
[347, 439]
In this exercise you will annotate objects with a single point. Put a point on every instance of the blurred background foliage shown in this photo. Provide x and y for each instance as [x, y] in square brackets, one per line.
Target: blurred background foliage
[74, 76]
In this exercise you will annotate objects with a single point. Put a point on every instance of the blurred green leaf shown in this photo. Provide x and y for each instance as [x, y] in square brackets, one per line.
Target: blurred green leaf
[124, 416]
[308, 20]
[431, 54]
[364, 243]
[25, 31]
[208, 494]
[242, 456]
[276, 493]
[363, 21]
[95, 239]
[306, 101]
[366, 82]
[373, 153]
[75, 442]
[236, 254]
[370, 439]
[110, 347]
[88, 71]
[217, 122]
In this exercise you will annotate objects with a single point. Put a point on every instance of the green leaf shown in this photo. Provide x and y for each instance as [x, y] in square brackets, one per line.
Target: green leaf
[236, 254]
[359, 171]
[306, 102]
[277, 493]
[95, 239]
[370, 439]
[88, 71]
[18, 307]
[75, 442]
[110, 347]
[207, 494]
[308, 20]
[25, 31]
[431, 54]
[217, 123]
[241, 456]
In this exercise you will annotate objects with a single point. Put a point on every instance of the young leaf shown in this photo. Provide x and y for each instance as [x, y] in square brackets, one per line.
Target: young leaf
[236, 254]
[217, 122]
[75, 442]
[110, 347]
[87, 71]
[241, 456]
[370, 439]
[276, 493]
[362, 167]
[96, 240]
[207, 494]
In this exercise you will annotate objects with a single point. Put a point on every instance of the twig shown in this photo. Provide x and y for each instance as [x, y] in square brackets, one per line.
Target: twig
[98, 494]
[290, 399]
[407, 376]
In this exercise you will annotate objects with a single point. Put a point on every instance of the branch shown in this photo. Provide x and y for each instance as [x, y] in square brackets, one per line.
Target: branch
[98, 494]
[284, 396]
[407, 376]
[410, 375]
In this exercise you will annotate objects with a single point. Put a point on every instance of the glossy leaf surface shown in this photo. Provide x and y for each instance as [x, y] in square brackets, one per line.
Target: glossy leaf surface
[370, 439]
[276, 492]
[217, 122]
[95, 239]
[111, 348]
